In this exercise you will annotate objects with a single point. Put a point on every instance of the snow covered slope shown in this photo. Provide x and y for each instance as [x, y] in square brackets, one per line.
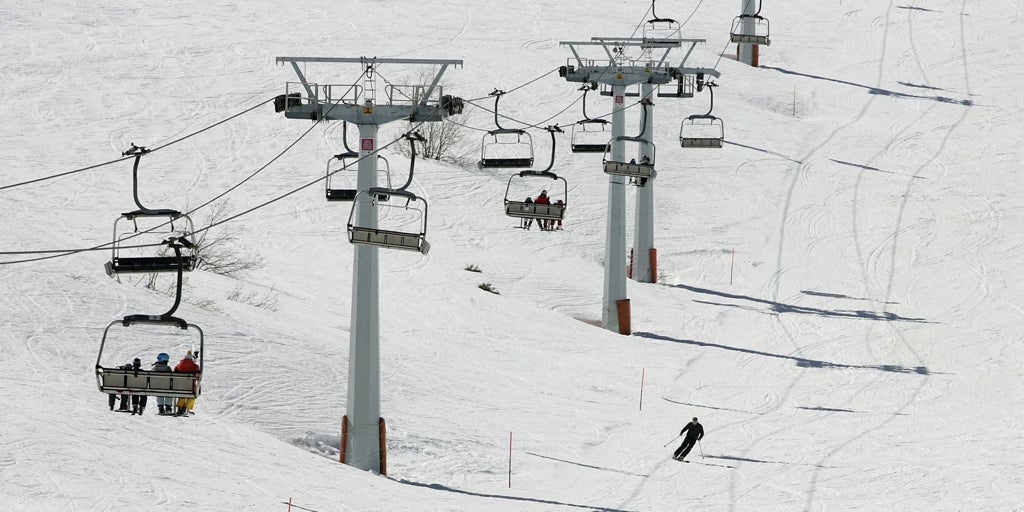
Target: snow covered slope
[838, 297]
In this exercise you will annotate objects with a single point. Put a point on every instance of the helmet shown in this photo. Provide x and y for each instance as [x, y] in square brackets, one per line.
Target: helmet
[544, 192]
[162, 357]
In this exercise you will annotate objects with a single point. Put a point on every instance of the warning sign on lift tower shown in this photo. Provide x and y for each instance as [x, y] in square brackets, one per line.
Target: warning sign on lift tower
[366, 144]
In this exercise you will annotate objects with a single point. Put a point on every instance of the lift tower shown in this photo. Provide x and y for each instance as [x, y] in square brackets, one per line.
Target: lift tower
[363, 442]
[618, 71]
[642, 265]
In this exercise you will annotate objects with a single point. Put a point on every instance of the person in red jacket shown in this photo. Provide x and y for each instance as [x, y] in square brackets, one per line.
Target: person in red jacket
[543, 199]
[186, 365]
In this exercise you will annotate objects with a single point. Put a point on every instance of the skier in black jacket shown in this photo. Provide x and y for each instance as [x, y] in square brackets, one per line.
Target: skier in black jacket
[696, 433]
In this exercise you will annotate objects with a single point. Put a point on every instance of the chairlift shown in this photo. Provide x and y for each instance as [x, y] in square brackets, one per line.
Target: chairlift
[505, 147]
[124, 380]
[702, 130]
[413, 211]
[660, 28]
[589, 135]
[395, 238]
[638, 172]
[132, 258]
[119, 380]
[346, 174]
[750, 28]
[520, 208]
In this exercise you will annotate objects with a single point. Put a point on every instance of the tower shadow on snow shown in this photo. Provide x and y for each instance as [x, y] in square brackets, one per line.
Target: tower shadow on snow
[800, 361]
[582, 465]
[875, 90]
[439, 487]
[779, 307]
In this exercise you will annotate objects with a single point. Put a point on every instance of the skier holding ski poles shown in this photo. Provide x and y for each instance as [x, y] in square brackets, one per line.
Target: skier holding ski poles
[694, 432]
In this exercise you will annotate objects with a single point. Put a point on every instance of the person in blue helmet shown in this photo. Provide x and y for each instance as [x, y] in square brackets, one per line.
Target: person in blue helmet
[164, 403]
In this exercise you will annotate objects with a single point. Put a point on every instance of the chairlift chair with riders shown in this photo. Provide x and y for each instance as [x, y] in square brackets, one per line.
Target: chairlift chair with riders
[702, 130]
[337, 188]
[638, 172]
[413, 209]
[505, 147]
[750, 28]
[122, 380]
[132, 258]
[589, 135]
[521, 209]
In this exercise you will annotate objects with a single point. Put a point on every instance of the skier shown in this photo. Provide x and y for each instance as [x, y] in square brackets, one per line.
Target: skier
[526, 223]
[696, 433]
[138, 401]
[559, 221]
[164, 403]
[543, 199]
[124, 397]
[186, 365]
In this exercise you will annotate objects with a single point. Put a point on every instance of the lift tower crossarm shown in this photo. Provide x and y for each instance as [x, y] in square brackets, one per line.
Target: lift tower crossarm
[350, 108]
[613, 72]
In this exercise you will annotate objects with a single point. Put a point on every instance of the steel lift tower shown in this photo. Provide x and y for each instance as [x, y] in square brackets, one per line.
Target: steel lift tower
[619, 71]
[363, 436]
[642, 265]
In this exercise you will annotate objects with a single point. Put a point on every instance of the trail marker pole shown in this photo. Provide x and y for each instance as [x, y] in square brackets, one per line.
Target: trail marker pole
[732, 264]
[510, 460]
[642, 375]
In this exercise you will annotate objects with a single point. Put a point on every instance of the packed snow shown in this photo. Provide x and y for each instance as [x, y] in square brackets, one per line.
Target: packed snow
[838, 295]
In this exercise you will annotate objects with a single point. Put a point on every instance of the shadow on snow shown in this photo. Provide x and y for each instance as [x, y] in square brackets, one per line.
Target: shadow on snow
[800, 361]
[779, 307]
[439, 487]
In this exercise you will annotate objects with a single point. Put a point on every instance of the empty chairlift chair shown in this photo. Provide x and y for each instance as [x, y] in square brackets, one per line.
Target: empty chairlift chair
[407, 221]
[132, 249]
[341, 182]
[505, 147]
[409, 236]
[589, 135]
[660, 28]
[750, 28]
[702, 130]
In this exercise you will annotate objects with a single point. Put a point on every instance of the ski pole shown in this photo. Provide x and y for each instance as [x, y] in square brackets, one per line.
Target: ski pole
[670, 441]
[701, 449]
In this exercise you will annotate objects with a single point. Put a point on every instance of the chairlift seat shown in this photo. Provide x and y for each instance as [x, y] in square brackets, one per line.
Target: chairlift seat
[627, 169]
[701, 131]
[700, 142]
[756, 33]
[388, 238]
[750, 38]
[589, 148]
[505, 162]
[147, 382]
[148, 264]
[524, 210]
[341, 194]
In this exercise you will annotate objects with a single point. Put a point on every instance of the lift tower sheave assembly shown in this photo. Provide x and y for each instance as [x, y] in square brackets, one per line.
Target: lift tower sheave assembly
[358, 103]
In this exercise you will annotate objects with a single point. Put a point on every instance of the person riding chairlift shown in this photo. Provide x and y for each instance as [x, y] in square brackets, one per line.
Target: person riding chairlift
[543, 199]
